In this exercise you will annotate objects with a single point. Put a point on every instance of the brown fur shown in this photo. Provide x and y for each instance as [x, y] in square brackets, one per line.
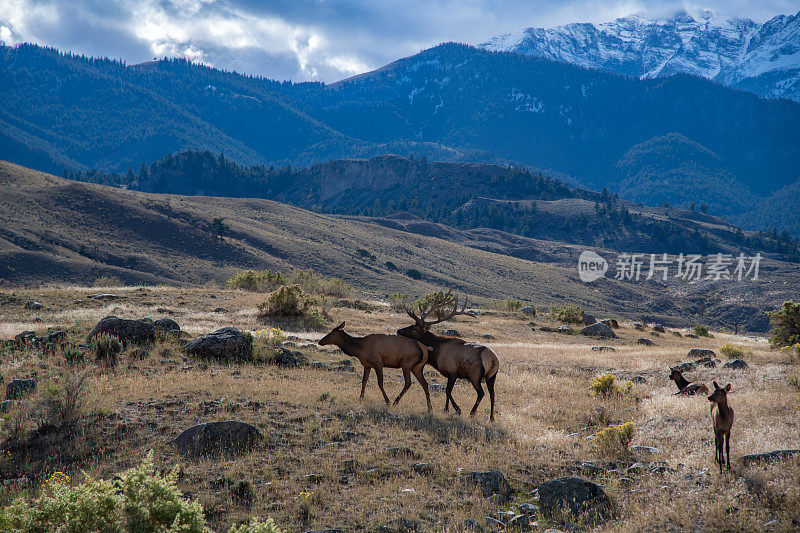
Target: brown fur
[685, 386]
[455, 358]
[379, 351]
[723, 421]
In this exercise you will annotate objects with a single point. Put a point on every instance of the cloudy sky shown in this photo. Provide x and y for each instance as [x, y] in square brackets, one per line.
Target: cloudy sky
[323, 40]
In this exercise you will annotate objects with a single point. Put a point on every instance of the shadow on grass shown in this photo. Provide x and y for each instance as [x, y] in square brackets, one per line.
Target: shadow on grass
[443, 428]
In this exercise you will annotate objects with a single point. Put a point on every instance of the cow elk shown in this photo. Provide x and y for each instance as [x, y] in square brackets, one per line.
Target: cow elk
[379, 351]
[723, 421]
[685, 386]
[454, 358]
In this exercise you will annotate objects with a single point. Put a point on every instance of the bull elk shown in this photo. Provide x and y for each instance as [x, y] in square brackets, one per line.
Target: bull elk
[685, 386]
[723, 421]
[379, 351]
[454, 358]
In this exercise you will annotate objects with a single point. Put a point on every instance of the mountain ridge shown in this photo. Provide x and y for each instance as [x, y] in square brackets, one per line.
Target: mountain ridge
[738, 52]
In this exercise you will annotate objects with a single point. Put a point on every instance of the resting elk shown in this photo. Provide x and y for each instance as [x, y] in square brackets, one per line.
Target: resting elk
[685, 386]
[454, 358]
[381, 351]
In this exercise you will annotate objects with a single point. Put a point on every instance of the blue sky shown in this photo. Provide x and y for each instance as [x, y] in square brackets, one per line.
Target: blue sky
[323, 40]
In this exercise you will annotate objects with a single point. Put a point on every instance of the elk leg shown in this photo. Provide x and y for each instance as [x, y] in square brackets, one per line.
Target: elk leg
[479, 390]
[379, 375]
[364, 381]
[407, 378]
[451, 380]
[490, 386]
[417, 371]
[728, 448]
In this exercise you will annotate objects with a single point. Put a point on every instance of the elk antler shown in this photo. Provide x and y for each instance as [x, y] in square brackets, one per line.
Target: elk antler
[445, 300]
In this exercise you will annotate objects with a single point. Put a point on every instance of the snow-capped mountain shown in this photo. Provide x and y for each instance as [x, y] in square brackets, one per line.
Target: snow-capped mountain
[741, 53]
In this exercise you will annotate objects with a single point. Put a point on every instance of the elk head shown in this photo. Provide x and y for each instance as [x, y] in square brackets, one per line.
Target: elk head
[332, 336]
[720, 395]
[440, 307]
[675, 374]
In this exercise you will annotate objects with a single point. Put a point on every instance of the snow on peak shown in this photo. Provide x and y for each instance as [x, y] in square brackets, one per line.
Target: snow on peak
[762, 58]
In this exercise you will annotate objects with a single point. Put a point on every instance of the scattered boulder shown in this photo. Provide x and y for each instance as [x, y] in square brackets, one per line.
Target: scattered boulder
[19, 388]
[701, 352]
[691, 336]
[645, 342]
[610, 322]
[644, 450]
[603, 349]
[227, 437]
[566, 330]
[25, 337]
[529, 310]
[528, 509]
[548, 329]
[639, 326]
[400, 525]
[451, 333]
[225, 344]
[638, 380]
[166, 325]
[767, 457]
[423, 469]
[659, 328]
[575, 494]
[677, 333]
[520, 522]
[588, 319]
[220, 310]
[289, 359]
[127, 331]
[736, 364]
[707, 362]
[598, 330]
[32, 305]
[488, 337]
[684, 367]
[104, 296]
[491, 483]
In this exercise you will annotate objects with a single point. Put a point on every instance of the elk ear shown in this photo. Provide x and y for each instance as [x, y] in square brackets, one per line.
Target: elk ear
[340, 326]
[716, 386]
[728, 387]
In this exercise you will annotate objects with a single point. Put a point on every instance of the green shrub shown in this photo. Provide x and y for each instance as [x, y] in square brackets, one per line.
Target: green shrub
[60, 401]
[256, 526]
[291, 302]
[256, 280]
[391, 267]
[106, 349]
[614, 440]
[605, 386]
[397, 301]
[569, 313]
[139, 500]
[701, 331]
[733, 351]
[785, 325]
[413, 273]
[512, 305]
[313, 283]
[792, 351]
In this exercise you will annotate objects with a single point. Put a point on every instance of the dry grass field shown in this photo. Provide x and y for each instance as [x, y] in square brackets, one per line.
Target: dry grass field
[328, 461]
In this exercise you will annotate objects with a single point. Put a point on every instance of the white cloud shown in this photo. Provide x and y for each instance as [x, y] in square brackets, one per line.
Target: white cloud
[307, 39]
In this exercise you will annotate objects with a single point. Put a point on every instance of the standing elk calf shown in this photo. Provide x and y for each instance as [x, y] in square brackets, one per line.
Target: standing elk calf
[381, 351]
[685, 386]
[453, 357]
[723, 421]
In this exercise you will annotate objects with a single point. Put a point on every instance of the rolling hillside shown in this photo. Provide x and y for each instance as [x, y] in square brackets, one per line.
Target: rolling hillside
[450, 103]
[60, 231]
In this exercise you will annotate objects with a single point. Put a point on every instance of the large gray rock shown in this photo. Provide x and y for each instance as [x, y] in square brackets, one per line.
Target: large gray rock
[127, 331]
[226, 344]
[212, 438]
[588, 319]
[33, 305]
[529, 310]
[767, 457]
[598, 329]
[701, 352]
[575, 495]
[287, 358]
[166, 325]
[645, 342]
[736, 364]
[659, 328]
[566, 330]
[19, 388]
[491, 483]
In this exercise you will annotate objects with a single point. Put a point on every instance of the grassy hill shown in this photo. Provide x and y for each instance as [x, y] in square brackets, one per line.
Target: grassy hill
[59, 231]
